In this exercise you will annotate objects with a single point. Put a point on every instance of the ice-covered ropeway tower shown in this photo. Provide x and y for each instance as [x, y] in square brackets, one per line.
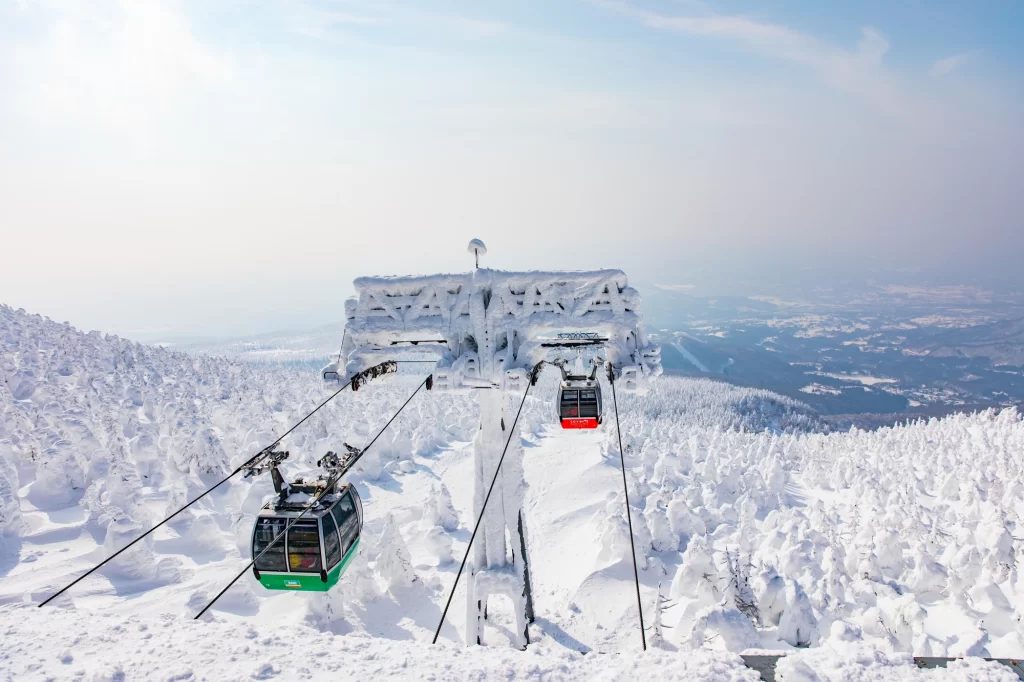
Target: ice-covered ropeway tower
[487, 330]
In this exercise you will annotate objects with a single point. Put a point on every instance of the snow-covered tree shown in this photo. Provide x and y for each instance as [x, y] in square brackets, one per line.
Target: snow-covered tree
[721, 626]
[613, 533]
[438, 519]
[360, 583]
[798, 625]
[11, 522]
[394, 563]
[439, 510]
[738, 586]
[657, 627]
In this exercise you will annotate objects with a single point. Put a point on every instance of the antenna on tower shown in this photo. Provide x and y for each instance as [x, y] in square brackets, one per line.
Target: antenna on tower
[477, 248]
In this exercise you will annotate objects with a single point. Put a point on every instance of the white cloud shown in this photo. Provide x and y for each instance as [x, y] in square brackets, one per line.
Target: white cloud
[468, 27]
[859, 71]
[312, 19]
[947, 65]
[113, 62]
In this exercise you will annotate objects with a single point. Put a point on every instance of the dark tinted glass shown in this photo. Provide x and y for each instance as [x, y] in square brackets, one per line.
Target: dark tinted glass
[266, 531]
[304, 547]
[569, 407]
[343, 510]
[588, 403]
[348, 522]
[359, 501]
[332, 545]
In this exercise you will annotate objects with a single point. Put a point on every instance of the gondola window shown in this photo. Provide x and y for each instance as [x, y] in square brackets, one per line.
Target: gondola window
[304, 547]
[348, 522]
[266, 531]
[332, 544]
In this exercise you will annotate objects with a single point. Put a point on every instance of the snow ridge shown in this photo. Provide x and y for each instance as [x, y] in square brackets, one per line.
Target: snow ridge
[759, 532]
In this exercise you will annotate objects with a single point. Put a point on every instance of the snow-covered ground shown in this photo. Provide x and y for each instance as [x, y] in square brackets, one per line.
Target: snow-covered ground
[758, 532]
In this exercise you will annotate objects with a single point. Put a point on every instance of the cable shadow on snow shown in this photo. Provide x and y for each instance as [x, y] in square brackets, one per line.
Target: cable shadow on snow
[555, 632]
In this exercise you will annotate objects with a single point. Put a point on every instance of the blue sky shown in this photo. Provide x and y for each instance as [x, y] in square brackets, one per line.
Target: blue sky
[230, 166]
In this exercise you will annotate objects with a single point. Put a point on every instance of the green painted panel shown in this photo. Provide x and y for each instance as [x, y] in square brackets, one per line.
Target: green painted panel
[308, 582]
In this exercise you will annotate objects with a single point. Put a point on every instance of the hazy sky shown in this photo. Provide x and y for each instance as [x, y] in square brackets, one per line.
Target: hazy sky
[222, 167]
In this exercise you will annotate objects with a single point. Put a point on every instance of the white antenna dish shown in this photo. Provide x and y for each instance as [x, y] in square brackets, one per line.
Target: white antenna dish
[477, 248]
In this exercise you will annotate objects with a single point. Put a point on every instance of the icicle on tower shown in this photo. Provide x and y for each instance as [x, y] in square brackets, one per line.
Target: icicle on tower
[487, 330]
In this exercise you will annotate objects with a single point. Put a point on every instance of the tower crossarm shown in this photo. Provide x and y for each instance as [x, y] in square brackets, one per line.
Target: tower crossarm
[479, 326]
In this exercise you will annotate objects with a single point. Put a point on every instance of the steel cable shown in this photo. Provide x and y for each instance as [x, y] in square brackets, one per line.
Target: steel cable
[331, 482]
[250, 462]
[629, 516]
[480, 518]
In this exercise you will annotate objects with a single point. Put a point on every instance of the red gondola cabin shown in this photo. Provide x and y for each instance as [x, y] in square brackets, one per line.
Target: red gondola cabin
[579, 403]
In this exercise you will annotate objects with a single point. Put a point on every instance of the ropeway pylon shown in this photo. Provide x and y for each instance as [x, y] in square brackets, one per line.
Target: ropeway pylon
[488, 329]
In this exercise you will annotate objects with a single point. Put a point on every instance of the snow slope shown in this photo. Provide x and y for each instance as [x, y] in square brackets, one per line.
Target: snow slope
[109, 648]
[761, 533]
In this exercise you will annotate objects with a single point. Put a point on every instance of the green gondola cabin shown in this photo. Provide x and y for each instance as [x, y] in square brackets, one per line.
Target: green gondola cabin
[318, 546]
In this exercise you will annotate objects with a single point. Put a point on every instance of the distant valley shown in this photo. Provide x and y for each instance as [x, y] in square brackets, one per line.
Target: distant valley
[883, 351]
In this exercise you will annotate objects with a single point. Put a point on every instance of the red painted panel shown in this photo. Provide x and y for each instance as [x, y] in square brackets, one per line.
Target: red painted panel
[579, 423]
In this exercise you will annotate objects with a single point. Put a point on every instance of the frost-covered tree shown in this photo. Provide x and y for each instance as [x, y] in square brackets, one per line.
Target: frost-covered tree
[438, 519]
[439, 510]
[770, 589]
[394, 563]
[360, 583]
[11, 522]
[738, 586]
[657, 627]
[697, 576]
[721, 626]
[656, 516]
[60, 479]
[613, 533]
[798, 625]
